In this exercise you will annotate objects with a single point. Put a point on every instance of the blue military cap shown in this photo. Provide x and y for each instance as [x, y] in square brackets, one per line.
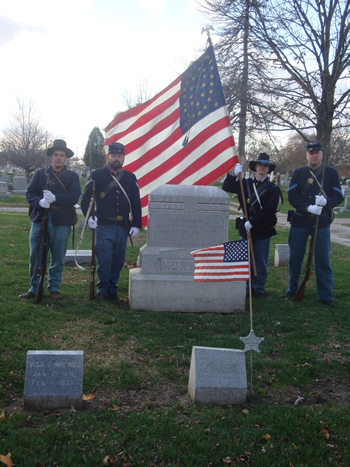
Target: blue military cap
[314, 146]
[116, 148]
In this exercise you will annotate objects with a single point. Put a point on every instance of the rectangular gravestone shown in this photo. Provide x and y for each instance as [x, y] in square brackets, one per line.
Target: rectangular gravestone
[182, 219]
[281, 254]
[347, 204]
[19, 185]
[217, 376]
[83, 257]
[3, 190]
[53, 379]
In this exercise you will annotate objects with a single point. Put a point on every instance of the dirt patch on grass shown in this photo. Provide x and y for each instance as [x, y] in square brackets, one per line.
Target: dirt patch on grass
[167, 395]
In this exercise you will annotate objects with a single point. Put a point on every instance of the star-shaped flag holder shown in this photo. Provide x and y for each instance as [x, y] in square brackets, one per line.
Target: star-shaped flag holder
[252, 342]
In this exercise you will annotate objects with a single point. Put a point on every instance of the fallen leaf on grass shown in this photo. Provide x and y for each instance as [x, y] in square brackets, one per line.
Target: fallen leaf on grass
[7, 460]
[267, 436]
[115, 407]
[326, 432]
[102, 407]
[2, 416]
[227, 460]
[245, 411]
[88, 397]
[73, 409]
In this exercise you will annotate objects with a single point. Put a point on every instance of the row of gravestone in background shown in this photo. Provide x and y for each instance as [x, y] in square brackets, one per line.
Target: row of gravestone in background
[18, 186]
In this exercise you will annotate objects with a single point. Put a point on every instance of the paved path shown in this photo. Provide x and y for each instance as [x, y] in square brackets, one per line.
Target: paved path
[340, 229]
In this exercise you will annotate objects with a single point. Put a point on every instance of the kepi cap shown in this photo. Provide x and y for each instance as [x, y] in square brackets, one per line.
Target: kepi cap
[116, 148]
[314, 146]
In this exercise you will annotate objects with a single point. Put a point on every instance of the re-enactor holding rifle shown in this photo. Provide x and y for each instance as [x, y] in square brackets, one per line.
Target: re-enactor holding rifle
[54, 191]
[314, 190]
[118, 216]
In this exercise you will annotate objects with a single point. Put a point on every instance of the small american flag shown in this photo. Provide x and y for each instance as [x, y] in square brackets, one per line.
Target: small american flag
[225, 262]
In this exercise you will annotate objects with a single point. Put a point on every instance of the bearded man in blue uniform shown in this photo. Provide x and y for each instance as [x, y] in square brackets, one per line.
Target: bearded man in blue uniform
[118, 215]
[310, 198]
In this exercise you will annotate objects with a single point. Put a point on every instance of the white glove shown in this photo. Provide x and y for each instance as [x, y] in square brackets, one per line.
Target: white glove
[50, 197]
[320, 200]
[44, 203]
[238, 169]
[248, 226]
[92, 223]
[76, 206]
[313, 209]
[133, 232]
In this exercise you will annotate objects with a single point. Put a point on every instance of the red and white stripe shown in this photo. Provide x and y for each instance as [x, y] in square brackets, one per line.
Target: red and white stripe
[153, 140]
[209, 266]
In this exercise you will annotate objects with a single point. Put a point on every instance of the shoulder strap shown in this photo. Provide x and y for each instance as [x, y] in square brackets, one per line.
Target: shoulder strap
[315, 175]
[127, 197]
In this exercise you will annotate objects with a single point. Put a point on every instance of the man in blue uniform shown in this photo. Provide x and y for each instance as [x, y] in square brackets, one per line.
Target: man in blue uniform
[118, 214]
[310, 198]
[262, 197]
[57, 189]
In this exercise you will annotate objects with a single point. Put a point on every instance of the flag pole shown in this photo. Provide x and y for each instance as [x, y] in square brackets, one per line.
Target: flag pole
[250, 242]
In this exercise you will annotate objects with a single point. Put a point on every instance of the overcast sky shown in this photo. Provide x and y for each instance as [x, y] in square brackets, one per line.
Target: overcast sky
[75, 58]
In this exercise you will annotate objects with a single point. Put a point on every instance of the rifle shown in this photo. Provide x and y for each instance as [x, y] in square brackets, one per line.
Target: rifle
[299, 295]
[42, 269]
[93, 259]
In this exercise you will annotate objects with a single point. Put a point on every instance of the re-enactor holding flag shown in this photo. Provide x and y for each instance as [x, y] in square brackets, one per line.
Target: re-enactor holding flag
[304, 195]
[262, 198]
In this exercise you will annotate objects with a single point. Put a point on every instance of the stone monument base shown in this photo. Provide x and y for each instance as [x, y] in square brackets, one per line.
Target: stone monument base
[217, 376]
[156, 292]
[19, 192]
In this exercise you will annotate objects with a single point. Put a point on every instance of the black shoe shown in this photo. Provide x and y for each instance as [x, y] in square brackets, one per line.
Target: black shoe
[100, 296]
[27, 295]
[260, 295]
[330, 303]
[287, 295]
[113, 298]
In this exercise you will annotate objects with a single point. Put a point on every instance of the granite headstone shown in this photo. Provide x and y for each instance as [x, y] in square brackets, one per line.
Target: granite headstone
[3, 190]
[19, 185]
[182, 219]
[53, 379]
[217, 376]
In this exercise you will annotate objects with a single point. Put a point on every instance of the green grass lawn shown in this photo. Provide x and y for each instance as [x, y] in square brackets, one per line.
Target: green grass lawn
[136, 368]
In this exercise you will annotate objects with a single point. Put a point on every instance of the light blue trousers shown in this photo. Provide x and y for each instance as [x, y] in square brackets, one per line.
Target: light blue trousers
[57, 241]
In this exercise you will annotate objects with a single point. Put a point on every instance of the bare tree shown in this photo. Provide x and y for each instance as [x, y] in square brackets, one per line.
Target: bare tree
[241, 62]
[304, 49]
[142, 94]
[24, 141]
[309, 42]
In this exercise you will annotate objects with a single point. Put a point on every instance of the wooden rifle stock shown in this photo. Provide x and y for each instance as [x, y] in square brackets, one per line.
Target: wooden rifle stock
[250, 243]
[299, 295]
[42, 269]
[93, 260]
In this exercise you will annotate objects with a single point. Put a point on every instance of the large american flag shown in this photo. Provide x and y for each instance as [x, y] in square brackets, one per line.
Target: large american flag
[225, 262]
[182, 136]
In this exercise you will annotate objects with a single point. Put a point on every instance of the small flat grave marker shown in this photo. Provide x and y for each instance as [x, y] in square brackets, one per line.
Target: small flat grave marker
[53, 379]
